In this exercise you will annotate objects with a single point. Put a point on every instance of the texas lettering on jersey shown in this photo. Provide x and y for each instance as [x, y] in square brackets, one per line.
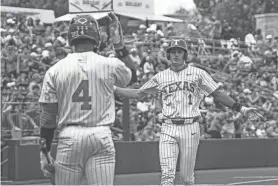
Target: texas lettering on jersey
[177, 86]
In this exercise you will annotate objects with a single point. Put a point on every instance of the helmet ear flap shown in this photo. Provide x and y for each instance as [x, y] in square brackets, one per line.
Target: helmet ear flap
[185, 55]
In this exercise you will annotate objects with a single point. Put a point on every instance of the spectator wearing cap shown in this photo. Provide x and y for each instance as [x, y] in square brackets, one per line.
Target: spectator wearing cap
[269, 42]
[142, 29]
[135, 57]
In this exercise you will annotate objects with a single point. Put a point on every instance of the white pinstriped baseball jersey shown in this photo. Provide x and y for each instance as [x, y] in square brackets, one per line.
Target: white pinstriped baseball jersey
[182, 92]
[82, 84]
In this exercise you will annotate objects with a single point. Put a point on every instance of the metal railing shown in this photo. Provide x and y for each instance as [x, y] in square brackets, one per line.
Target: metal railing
[200, 46]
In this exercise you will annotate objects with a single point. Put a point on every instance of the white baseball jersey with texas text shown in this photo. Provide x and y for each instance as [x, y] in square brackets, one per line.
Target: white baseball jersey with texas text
[181, 92]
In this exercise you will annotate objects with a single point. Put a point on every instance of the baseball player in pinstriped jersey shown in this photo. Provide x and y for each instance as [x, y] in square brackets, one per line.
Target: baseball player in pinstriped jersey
[181, 88]
[79, 90]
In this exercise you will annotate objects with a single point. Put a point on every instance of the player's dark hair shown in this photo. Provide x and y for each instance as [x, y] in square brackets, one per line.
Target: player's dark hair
[82, 41]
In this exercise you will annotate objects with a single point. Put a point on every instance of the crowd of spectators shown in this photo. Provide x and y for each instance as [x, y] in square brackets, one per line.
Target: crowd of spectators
[247, 74]
[231, 19]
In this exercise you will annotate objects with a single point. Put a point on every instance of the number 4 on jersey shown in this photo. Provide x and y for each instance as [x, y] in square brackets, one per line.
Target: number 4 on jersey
[83, 87]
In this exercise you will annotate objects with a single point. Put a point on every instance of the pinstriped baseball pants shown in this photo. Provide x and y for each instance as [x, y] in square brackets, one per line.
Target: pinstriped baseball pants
[85, 155]
[178, 140]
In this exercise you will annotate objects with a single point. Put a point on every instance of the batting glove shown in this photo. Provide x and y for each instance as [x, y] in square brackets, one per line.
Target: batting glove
[116, 32]
[47, 169]
[251, 113]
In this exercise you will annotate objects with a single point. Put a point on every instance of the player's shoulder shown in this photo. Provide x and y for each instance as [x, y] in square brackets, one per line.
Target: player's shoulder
[108, 61]
[196, 69]
[56, 67]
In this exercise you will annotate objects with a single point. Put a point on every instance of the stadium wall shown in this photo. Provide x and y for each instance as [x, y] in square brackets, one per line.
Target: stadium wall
[143, 157]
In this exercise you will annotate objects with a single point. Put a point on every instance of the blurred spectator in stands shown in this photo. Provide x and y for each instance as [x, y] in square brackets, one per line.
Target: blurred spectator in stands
[228, 129]
[271, 129]
[195, 59]
[216, 31]
[34, 94]
[30, 25]
[148, 133]
[6, 119]
[250, 41]
[227, 31]
[269, 42]
[216, 125]
[258, 35]
[260, 131]
[148, 66]
[162, 55]
[36, 79]
[135, 57]
[56, 34]
[23, 78]
[170, 31]
[23, 59]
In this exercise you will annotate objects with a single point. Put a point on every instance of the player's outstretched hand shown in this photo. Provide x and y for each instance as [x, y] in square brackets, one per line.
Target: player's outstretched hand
[251, 113]
[116, 32]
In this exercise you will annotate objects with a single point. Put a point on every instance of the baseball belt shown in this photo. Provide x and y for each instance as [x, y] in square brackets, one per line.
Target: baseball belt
[181, 121]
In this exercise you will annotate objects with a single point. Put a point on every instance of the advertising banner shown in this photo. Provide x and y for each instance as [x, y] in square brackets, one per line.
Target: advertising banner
[134, 6]
[78, 6]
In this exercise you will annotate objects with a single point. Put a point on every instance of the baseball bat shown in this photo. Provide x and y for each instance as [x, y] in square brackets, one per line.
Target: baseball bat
[50, 168]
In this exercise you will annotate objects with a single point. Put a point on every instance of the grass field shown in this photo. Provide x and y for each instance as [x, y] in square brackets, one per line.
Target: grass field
[252, 176]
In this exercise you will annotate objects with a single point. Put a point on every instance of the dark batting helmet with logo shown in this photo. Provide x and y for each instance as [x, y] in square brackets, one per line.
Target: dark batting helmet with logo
[84, 27]
[177, 43]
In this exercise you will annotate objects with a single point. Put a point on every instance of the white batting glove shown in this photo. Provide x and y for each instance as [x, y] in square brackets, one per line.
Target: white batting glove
[250, 113]
[47, 169]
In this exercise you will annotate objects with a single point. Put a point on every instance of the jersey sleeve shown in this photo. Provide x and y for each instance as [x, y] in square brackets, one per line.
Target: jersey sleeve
[207, 84]
[151, 86]
[122, 74]
[48, 93]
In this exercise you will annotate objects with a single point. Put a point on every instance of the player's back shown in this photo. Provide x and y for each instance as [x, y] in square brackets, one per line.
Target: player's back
[84, 88]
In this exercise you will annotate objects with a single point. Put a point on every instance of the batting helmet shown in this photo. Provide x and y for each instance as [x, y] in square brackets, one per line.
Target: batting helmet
[177, 43]
[84, 26]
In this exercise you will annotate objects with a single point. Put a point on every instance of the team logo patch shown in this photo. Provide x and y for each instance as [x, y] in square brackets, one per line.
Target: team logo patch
[82, 20]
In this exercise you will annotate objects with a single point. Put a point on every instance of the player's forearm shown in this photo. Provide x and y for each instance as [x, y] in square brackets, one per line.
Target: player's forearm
[226, 100]
[130, 93]
[48, 123]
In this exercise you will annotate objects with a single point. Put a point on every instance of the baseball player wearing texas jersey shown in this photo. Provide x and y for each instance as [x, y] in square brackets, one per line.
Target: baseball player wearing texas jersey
[78, 90]
[181, 88]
